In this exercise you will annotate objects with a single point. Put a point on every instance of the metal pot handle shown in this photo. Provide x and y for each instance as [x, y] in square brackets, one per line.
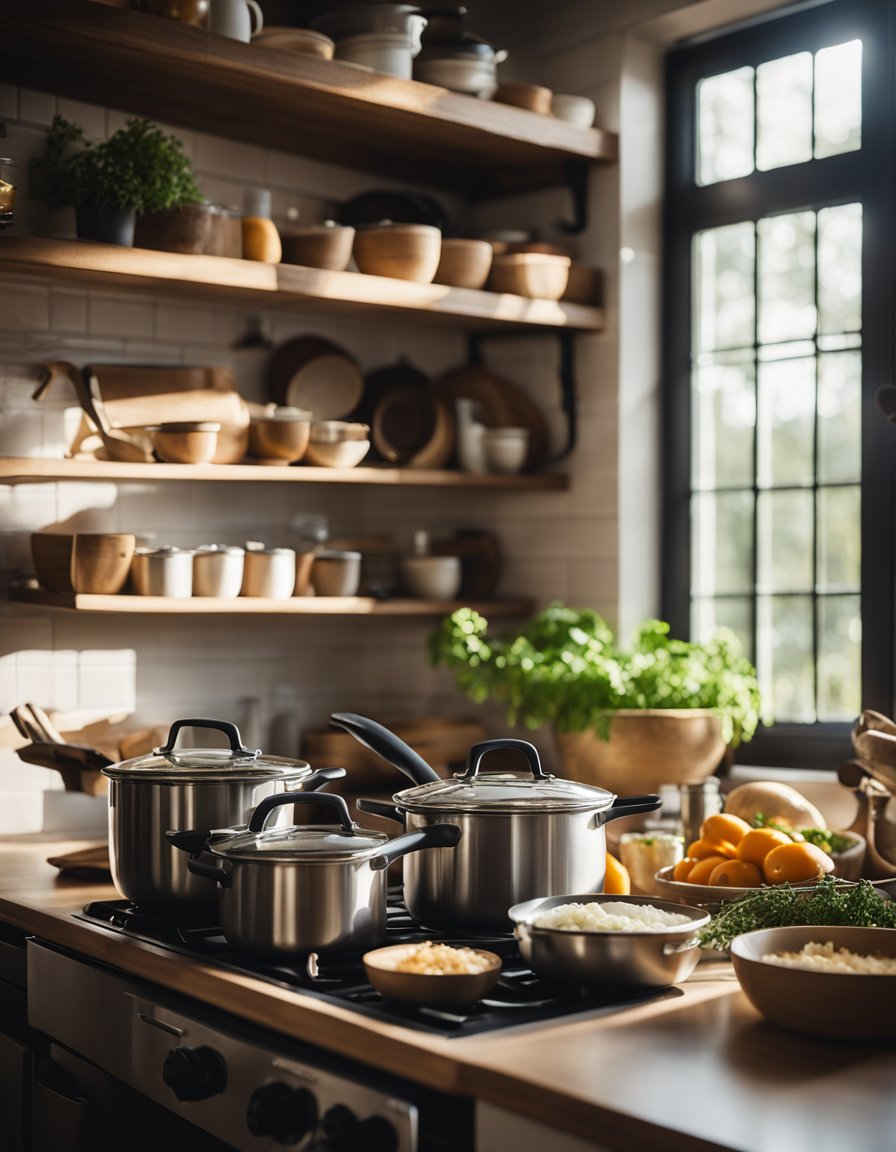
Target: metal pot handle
[230, 731]
[478, 751]
[435, 836]
[319, 777]
[629, 806]
[220, 873]
[382, 808]
[265, 807]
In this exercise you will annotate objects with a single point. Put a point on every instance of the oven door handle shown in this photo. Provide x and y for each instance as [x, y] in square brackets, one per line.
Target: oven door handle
[171, 1029]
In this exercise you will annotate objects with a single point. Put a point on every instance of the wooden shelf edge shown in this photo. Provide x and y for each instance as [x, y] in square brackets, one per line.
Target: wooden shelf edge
[258, 606]
[273, 285]
[37, 469]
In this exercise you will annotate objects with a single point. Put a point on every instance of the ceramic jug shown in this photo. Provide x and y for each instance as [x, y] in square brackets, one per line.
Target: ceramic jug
[234, 18]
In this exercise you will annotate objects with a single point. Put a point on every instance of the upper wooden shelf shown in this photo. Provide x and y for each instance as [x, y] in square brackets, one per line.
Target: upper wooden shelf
[283, 285]
[323, 109]
[32, 469]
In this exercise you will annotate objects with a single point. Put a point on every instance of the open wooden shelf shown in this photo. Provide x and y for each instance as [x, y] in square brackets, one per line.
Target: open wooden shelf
[328, 110]
[282, 285]
[258, 606]
[35, 470]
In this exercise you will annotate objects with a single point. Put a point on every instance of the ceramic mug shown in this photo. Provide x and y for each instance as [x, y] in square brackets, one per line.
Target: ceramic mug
[234, 18]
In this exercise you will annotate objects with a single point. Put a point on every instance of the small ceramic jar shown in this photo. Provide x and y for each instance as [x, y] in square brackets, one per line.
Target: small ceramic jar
[269, 572]
[162, 572]
[336, 573]
[218, 571]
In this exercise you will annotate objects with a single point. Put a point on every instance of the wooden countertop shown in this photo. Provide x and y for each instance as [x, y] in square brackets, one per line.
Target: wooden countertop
[697, 1069]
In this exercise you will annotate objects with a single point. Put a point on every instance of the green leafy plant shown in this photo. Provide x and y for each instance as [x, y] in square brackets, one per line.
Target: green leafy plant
[139, 167]
[565, 668]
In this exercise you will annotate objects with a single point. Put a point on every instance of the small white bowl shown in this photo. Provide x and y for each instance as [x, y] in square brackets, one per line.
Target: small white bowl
[505, 449]
[578, 110]
[432, 577]
[338, 443]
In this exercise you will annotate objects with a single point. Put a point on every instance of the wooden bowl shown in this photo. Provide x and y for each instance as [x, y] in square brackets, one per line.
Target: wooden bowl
[538, 275]
[319, 246]
[533, 97]
[464, 263]
[51, 553]
[185, 441]
[402, 251]
[302, 40]
[101, 562]
[422, 988]
[281, 438]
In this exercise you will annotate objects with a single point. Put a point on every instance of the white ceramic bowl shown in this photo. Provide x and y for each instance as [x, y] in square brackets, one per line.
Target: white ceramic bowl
[578, 110]
[338, 443]
[218, 571]
[432, 577]
[505, 449]
[269, 572]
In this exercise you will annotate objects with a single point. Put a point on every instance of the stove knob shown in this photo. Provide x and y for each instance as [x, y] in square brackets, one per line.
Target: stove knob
[376, 1134]
[340, 1126]
[195, 1073]
[284, 1113]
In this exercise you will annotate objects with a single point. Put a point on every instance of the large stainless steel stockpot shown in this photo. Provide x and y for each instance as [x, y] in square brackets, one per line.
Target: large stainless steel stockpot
[306, 888]
[188, 788]
[523, 836]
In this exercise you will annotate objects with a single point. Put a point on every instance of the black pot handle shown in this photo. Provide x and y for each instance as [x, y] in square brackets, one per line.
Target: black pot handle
[220, 873]
[386, 744]
[190, 840]
[230, 731]
[435, 836]
[480, 750]
[265, 807]
[629, 806]
[383, 808]
[319, 777]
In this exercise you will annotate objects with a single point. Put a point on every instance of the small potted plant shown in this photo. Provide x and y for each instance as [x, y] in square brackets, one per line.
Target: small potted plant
[171, 215]
[661, 711]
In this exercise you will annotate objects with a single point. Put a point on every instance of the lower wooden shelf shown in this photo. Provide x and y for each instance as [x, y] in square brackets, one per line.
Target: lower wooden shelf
[259, 606]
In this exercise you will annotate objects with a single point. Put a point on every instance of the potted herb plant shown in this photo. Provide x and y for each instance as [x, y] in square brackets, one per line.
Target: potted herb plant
[171, 215]
[626, 718]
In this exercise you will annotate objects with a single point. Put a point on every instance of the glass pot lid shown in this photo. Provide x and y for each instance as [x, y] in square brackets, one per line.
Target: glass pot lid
[504, 792]
[208, 765]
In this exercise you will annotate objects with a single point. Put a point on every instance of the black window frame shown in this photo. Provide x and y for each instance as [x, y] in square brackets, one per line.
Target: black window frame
[865, 176]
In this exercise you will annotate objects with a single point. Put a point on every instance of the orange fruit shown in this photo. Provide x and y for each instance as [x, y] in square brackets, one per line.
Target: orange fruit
[795, 862]
[736, 874]
[682, 869]
[723, 829]
[704, 868]
[617, 881]
[758, 842]
[702, 848]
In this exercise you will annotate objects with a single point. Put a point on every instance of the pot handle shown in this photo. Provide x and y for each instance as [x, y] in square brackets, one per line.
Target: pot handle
[230, 731]
[386, 744]
[381, 808]
[220, 873]
[190, 840]
[265, 807]
[435, 836]
[319, 777]
[629, 806]
[480, 750]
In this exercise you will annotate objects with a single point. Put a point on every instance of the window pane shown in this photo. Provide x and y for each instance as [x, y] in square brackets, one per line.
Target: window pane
[840, 269]
[838, 99]
[724, 266]
[735, 612]
[839, 417]
[784, 532]
[839, 658]
[785, 657]
[724, 412]
[722, 542]
[725, 126]
[784, 111]
[787, 277]
[786, 422]
[839, 553]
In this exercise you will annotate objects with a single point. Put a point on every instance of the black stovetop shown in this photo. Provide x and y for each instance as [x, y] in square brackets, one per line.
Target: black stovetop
[520, 997]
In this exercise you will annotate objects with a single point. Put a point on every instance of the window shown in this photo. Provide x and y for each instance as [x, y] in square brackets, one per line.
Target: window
[778, 285]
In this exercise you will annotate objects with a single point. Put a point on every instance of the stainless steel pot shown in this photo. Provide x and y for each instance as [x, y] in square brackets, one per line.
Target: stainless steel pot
[188, 788]
[307, 888]
[522, 836]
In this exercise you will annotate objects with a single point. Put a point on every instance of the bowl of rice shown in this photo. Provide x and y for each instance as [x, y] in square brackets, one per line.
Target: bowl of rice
[432, 973]
[836, 982]
[602, 939]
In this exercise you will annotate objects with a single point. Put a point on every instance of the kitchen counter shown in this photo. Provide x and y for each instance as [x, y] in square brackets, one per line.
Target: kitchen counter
[697, 1069]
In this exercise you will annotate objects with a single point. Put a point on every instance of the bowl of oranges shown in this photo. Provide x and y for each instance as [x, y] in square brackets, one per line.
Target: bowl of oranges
[731, 858]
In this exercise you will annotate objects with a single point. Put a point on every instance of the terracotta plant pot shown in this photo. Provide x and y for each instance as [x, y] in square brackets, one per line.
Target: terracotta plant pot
[184, 228]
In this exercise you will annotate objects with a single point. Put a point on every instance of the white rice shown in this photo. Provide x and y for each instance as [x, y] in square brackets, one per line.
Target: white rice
[612, 917]
[817, 957]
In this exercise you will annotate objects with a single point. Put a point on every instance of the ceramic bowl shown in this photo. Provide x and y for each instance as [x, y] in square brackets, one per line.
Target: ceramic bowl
[432, 577]
[578, 110]
[336, 573]
[402, 251]
[464, 263]
[708, 896]
[338, 443]
[94, 563]
[505, 449]
[539, 275]
[837, 1005]
[269, 572]
[448, 989]
[533, 97]
[326, 246]
[184, 442]
[302, 40]
[281, 437]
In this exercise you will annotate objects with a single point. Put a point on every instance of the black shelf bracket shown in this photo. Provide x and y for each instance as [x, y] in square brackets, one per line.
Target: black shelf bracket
[575, 179]
[566, 374]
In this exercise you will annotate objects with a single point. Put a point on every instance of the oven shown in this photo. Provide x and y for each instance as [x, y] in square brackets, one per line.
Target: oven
[16, 1055]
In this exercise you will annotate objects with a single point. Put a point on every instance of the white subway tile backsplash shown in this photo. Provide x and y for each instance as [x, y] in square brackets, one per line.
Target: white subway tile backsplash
[68, 310]
[218, 156]
[27, 309]
[179, 322]
[36, 107]
[91, 117]
[120, 316]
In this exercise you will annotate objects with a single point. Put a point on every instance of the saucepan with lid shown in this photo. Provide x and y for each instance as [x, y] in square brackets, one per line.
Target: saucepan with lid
[175, 788]
[524, 834]
[305, 888]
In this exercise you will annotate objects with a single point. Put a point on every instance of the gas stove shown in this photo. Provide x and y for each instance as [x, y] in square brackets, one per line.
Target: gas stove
[520, 997]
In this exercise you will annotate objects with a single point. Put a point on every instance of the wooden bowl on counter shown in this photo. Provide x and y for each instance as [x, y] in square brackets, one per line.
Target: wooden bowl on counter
[464, 263]
[402, 251]
[537, 275]
[185, 441]
[280, 436]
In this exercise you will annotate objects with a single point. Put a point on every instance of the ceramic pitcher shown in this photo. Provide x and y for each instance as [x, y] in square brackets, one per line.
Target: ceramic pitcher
[234, 18]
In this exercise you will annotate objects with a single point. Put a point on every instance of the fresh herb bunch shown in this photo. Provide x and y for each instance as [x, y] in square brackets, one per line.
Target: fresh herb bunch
[831, 901]
[57, 169]
[565, 668]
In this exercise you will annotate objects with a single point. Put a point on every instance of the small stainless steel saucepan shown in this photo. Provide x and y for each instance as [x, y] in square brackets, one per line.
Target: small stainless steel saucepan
[524, 835]
[306, 888]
